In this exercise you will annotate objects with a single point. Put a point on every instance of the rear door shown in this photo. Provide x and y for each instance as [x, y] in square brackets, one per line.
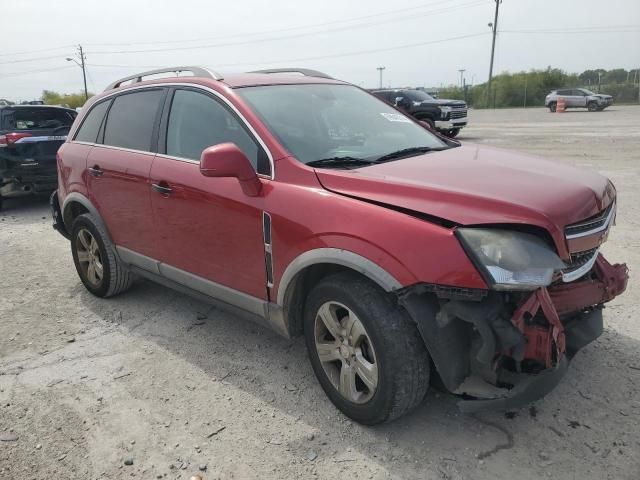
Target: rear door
[118, 168]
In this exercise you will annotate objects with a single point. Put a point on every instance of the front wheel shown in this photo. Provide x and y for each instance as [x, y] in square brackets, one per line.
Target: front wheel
[366, 353]
[552, 107]
[592, 107]
[453, 133]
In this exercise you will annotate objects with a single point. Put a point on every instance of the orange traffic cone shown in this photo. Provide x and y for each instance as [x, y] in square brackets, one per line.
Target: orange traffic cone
[561, 106]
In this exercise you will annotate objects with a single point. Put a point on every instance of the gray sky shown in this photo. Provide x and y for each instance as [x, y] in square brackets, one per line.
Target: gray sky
[418, 41]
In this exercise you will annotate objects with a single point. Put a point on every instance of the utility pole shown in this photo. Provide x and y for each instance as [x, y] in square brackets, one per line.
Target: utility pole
[381, 69]
[82, 65]
[494, 27]
[462, 70]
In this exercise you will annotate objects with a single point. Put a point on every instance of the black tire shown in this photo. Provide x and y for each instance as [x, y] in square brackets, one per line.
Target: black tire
[592, 107]
[453, 133]
[552, 107]
[115, 278]
[401, 358]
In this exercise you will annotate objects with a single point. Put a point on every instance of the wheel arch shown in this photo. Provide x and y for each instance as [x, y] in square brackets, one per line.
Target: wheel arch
[310, 267]
[76, 204]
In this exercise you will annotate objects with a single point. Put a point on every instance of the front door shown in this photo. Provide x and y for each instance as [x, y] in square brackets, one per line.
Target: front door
[118, 169]
[207, 227]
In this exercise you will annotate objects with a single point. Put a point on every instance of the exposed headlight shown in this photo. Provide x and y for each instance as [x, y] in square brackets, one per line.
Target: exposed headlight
[510, 260]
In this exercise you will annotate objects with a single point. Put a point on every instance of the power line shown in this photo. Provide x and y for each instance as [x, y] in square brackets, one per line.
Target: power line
[286, 37]
[318, 57]
[26, 60]
[279, 30]
[63, 47]
[17, 74]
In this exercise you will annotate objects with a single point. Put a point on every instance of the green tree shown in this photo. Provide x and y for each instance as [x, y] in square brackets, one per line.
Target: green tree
[72, 100]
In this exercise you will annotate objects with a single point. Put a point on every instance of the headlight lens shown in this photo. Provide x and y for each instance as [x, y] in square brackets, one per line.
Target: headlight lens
[511, 260]
[444, 111]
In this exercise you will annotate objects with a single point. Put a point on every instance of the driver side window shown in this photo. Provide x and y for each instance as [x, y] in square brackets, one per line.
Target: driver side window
[197, 121]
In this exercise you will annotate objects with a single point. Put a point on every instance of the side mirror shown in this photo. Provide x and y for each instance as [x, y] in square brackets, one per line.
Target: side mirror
[399, 101]
[227, 160]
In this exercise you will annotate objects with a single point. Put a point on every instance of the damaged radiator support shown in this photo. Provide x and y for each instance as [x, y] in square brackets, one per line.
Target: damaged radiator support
[470, 337]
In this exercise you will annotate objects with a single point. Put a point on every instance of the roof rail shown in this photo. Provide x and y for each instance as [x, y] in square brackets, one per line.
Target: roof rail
[307, 72]
[197, 72]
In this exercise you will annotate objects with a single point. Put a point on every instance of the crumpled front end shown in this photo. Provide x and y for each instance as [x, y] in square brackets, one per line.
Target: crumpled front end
[502, 350]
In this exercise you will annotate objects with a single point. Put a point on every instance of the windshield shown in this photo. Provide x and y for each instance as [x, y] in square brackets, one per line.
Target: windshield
[319, 121]
[588, 92]
[36, 118]
[418, 96]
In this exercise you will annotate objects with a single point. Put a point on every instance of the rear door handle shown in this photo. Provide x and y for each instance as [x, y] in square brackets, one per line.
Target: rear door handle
[95, 171]
[162, 187]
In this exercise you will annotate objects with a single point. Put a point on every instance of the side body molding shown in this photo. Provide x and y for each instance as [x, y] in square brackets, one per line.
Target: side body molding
[339, 257]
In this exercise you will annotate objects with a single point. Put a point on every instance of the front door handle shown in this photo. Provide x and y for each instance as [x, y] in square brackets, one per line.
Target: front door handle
[95, 171]
[162, 187]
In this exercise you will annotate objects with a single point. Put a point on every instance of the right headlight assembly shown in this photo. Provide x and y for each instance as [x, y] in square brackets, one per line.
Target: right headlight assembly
[510, 260]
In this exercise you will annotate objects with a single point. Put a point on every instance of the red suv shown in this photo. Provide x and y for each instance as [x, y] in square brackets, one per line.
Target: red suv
[319, 210]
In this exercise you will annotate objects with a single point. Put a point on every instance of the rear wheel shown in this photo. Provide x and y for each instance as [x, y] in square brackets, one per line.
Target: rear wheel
[592, 107]
[366, 353]
[553, 106]
[94, 256]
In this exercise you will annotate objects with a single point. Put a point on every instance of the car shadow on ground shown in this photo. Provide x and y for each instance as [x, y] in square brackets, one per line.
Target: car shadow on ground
[601, 384]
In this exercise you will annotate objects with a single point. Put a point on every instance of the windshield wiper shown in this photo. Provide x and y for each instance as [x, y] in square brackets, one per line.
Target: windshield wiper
[338, 162]
[407, 152]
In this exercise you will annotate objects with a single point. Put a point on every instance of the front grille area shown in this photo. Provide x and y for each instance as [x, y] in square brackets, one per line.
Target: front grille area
[459, 112]
[589, 224]
[579, 259]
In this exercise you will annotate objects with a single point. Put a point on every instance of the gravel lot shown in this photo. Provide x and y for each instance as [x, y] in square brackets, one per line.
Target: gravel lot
[181, 388]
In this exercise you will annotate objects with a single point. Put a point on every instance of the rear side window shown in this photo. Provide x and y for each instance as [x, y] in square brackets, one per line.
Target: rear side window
[197, 121]
[91, 125]
[37, 119]
[131, 120]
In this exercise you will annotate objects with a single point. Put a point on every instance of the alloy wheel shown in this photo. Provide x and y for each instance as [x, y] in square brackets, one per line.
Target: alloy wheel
[89, 257]
[346, 352]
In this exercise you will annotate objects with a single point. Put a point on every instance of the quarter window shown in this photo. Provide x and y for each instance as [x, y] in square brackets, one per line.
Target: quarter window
[91, 125]
[131, 120]
[197, 121]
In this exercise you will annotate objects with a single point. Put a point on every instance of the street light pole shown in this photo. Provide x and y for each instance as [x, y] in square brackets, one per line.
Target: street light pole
[494, 27]
[462, 70]
[84, 73]
[82, 65]
[381, 69]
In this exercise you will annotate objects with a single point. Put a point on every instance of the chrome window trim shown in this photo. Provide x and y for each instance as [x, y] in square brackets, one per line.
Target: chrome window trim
[123, 149]
[579, 272]
[206, 89]
[602, 227]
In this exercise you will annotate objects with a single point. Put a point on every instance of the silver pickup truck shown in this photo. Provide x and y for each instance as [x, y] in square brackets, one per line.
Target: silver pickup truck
[578, 98]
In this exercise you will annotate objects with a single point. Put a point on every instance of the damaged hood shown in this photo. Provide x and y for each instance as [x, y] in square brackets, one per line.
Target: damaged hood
[473, 185]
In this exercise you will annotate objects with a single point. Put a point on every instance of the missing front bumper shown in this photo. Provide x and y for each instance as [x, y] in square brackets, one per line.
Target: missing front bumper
[502, 352]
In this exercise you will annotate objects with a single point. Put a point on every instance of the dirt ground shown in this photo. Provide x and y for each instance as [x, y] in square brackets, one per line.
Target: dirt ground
[180, 388]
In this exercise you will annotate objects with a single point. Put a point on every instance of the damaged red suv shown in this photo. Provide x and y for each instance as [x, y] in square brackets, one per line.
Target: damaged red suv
[316, 209]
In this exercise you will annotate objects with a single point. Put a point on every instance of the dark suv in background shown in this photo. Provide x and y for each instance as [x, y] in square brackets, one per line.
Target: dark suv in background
[30, 136]
[446, 116]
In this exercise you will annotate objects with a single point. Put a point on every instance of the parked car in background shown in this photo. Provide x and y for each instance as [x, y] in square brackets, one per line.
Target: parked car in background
[30, 136]
[317, 209]
[446, 116]
[578, 98]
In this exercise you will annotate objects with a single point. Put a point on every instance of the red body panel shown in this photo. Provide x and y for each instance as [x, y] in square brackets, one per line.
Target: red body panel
[473, 185]
[121, 195]
[209, 227]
